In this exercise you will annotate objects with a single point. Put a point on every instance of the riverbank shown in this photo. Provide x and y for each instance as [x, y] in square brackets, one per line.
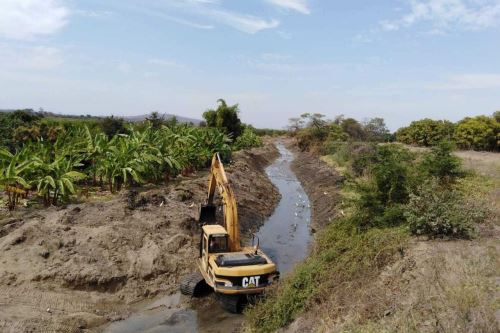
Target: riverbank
[81, 266]
[384, 279]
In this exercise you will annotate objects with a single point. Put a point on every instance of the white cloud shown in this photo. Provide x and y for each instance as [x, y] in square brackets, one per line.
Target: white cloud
[211, 10]
[164, 63]
[468, 82]
[296, 5]
[449, 14]
[175, 19]
[96, 14]
[245, 23]
[25, 19]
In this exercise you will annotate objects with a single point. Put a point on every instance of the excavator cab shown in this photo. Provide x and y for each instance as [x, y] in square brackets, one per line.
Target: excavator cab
[218, 244]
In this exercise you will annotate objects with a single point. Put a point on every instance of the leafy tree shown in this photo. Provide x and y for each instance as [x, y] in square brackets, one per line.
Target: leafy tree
[376, 130]
[295, 124]
[10, 121]
[155, 120]
[112, 126]
[353, 128]
[225, 118]
[496, 116]
[426, 132]
[478, 133]
[314, 120]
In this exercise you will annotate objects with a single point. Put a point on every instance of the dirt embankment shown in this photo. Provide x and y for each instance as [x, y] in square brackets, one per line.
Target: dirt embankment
[322, 184]
[434, 286]
[75, 268]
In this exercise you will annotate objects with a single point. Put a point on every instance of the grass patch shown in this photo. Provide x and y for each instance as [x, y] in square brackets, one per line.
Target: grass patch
[342, 253]
[454, 293]
[339, 164]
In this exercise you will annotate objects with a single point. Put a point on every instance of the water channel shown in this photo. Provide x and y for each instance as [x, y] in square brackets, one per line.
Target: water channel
[285, 237]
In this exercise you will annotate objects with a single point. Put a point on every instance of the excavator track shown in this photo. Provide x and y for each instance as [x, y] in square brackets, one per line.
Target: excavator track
[192, 284]
[231, 303]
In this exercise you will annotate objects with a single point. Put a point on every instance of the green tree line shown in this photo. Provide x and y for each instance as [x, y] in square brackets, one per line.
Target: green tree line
[477, 133]
[54, 157]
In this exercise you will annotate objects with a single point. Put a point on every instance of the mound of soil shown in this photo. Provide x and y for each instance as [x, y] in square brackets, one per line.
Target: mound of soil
[75, 268]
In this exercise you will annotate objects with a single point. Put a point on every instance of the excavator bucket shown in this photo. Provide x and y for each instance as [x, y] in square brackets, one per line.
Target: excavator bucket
[207, 214]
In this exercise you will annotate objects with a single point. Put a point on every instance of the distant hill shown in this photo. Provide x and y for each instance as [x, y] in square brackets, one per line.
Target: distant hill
[167, 117]
[138, 118]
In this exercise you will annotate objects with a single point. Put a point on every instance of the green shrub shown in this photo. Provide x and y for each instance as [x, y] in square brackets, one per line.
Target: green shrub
[343, 253]
[478, 133]
[441, 163]
[392, 172]
[248, 139]
[362, 156]
[436, 211]
[381, 195]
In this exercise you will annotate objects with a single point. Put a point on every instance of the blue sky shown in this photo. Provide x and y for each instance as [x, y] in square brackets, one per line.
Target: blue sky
[401, 60]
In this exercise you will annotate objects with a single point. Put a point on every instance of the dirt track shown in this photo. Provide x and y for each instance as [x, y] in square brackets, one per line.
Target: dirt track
[73, 269]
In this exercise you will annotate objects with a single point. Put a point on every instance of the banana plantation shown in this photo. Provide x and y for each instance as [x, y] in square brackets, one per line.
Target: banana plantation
[55, 170]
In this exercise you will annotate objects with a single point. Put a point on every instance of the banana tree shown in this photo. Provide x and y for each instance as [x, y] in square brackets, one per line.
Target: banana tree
[95, 147]
[57, 179]
[123, 161]
[12, 176]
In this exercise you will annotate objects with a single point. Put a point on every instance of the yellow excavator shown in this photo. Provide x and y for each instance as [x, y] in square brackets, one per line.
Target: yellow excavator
[235, 273]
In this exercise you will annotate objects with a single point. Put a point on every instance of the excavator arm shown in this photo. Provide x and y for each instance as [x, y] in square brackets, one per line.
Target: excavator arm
[218, 179]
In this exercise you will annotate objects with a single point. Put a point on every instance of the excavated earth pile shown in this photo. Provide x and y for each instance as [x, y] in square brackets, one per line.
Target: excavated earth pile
[74, 268]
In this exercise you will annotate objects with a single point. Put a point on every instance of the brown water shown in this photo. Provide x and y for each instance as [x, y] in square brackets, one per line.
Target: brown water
[284, 237]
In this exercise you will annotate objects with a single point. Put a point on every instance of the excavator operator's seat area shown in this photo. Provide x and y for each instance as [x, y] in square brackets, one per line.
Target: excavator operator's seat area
[218, 244]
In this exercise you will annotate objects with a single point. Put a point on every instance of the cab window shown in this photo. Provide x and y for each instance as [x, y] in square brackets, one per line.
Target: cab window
[217, 244]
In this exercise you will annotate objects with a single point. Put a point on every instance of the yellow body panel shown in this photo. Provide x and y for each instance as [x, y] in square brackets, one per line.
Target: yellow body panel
[214, 229]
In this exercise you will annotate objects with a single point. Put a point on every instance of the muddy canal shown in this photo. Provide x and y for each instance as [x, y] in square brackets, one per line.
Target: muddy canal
[285, 237]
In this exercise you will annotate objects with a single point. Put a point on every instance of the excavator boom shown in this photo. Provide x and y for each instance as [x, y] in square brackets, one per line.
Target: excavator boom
[218, 179]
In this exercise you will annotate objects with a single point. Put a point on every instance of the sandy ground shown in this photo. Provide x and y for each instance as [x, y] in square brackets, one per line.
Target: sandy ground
[75, 268]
